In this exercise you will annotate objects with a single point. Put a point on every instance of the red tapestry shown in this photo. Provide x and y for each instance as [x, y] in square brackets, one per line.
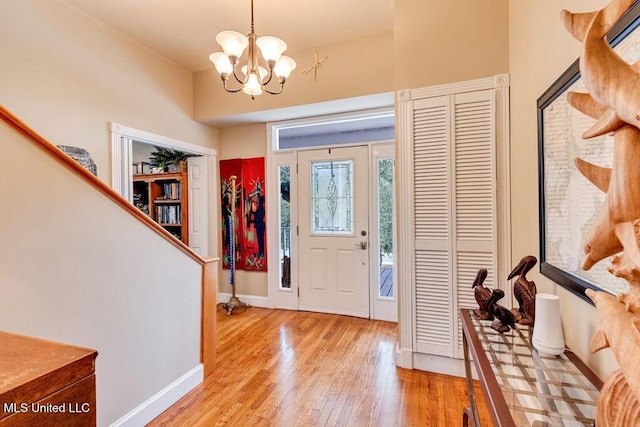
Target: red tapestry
[250, 215]
[229, 168]
[254, 213]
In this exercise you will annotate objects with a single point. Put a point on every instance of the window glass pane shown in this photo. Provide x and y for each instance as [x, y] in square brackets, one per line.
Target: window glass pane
[332, 197]
[354, 130]
[285, 227]
[385, 226]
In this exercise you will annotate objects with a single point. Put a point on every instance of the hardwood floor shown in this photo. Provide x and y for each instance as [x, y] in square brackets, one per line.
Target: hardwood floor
[285, 368]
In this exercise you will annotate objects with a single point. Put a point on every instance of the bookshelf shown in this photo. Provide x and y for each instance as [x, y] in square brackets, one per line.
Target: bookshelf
[163, 196]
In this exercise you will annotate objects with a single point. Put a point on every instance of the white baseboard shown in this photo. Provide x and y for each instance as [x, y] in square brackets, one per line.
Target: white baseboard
[252, 300]
[162, 400]
[404, 358]
[439, 364]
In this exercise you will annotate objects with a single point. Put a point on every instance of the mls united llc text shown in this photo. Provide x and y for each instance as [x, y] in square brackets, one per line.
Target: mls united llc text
[71, 408]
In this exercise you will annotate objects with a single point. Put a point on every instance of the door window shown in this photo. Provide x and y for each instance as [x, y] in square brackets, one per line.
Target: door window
[332, 197]
[284, 173]
[385, 227]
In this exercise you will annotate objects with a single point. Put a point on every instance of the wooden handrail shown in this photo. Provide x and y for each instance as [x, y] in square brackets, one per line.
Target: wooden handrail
[96, 183]
[208, 320]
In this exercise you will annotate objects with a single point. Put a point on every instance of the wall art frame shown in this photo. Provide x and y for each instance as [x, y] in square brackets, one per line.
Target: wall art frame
[568, 203]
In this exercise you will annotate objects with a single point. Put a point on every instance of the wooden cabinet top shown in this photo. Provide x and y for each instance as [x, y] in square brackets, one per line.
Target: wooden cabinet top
[150, 177]
[32, 368]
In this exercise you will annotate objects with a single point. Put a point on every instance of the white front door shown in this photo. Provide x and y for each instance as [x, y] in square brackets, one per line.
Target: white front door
[333, 201]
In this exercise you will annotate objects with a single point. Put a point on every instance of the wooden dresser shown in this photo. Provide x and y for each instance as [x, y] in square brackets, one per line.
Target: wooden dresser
[44, 383]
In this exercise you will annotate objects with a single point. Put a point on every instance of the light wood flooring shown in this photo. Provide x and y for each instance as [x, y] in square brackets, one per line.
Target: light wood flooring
[286, 368]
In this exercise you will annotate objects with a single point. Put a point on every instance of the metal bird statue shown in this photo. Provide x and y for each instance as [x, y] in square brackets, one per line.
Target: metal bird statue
[524, 291]
[482, 296]
[503, 316]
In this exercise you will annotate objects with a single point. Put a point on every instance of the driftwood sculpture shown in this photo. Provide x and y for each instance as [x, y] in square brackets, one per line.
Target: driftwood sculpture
[503, 317]
[525, 291]
[481, 295]
[614, 101]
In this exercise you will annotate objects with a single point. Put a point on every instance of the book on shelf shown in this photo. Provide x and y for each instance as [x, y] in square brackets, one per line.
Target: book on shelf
[172, 191]
[160, 197]
[169, 214]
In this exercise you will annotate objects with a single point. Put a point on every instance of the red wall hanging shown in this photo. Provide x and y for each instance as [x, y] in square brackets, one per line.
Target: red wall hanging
[250, 221]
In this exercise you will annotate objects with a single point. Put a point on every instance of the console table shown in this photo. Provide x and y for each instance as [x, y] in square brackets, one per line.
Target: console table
[521, 386]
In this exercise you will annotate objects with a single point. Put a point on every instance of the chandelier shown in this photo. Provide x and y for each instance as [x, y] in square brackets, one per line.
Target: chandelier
[253, 77]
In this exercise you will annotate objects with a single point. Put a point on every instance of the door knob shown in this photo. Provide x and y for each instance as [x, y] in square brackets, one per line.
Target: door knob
[362, 245]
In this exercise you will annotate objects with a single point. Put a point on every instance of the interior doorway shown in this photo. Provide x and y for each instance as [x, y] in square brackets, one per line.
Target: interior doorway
[200, 177]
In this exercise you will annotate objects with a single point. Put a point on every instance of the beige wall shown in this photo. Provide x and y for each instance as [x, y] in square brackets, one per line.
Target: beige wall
[432, 42]
[243, 142]
[540, 49]
[100, 278]
[67, 75]
[439, 42]
[353, 68]
[77, 268]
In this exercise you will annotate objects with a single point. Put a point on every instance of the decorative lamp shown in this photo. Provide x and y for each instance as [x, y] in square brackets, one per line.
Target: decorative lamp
[547, 333]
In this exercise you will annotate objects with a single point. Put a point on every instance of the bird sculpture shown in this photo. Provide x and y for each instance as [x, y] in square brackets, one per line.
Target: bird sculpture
[524, 291]
[482, 296]
[503, 316]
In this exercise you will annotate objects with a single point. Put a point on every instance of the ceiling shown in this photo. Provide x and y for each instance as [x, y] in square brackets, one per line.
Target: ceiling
[185, 30]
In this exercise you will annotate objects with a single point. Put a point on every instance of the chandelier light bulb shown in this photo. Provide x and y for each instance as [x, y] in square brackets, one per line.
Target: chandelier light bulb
[284, 67]
[221, 62]
[233, 43]
[252, 86]
[271, 47]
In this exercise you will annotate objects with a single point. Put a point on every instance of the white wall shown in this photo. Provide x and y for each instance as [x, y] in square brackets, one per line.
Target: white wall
[540, 49]
[68, 75]
[77, 268]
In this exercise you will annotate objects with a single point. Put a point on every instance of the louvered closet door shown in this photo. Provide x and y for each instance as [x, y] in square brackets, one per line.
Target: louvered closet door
[475, 197]
[454, 188]
[431, 133]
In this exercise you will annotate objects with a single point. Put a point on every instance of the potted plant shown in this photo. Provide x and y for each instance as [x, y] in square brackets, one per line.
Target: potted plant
[168, 160]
